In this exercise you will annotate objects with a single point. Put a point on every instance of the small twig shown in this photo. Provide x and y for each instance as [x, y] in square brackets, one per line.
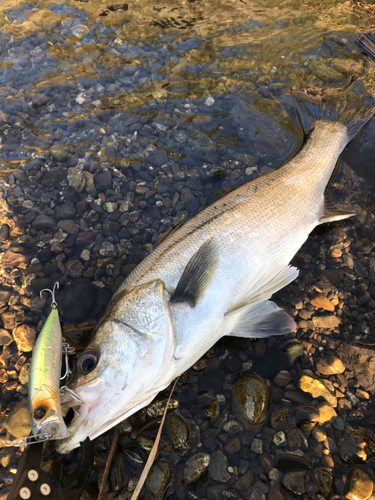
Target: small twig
[108, 464]
[153, 451]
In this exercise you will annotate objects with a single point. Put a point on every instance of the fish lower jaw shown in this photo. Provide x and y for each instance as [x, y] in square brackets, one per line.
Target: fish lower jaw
[72, 441]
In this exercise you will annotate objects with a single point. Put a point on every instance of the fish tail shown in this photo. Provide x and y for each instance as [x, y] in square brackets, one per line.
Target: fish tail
[350, 105]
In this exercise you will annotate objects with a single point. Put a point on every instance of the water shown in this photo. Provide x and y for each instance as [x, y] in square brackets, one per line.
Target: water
[120, 120]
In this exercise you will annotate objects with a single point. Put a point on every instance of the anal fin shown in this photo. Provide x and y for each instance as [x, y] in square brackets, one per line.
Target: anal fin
[261, 320]
[331, 213]
[198, 274]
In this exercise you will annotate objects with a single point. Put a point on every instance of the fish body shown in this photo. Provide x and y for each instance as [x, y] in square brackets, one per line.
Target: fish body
[210, 278]
[44, 383]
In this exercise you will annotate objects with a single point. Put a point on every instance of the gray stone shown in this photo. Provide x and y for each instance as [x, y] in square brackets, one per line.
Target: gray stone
[218, 467]
[108, 249]
[44, 223]
[68, 226]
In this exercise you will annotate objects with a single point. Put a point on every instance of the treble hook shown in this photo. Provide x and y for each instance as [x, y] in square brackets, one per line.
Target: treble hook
[52, 292]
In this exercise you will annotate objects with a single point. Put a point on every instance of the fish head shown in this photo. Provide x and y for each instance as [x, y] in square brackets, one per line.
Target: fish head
[124, 365]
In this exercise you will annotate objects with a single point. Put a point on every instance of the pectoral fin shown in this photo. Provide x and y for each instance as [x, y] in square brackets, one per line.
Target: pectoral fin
[331, 213]
[260, 320]
[198, 274]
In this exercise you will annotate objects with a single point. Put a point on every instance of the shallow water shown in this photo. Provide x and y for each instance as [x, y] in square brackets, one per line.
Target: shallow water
[131, 109]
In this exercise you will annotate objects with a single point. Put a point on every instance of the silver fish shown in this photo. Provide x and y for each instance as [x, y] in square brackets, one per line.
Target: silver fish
[214, 275]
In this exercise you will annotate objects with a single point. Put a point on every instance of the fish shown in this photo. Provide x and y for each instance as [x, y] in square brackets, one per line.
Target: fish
[214, 276]
[44, 382]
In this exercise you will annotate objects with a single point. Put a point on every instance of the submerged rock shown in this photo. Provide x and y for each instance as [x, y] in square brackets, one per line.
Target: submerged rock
[158, 479]
[251, 399]
[316, 387]
[18, 423]
[324, 480]
[295, 483]
[358, 485]
[195, 467]
[218, 467]
[178, 430]
[330, 365]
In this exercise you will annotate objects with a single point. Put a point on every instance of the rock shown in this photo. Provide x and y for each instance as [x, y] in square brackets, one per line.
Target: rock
[66, 211]
[103, 181]
[319, 434]
[24, 374]
[116, 474]
[371, 270]
[358, 485]
[77, 300]
[44, 223]
[352, 447]
[321, 302]
[12, 259]
[282, 378]
[257, 446]
[194, 468]
[53, 177]
[326, 413]
[178, 430]
[39, 100]
[314, 386]
[25, 336]
[251, 400]
[279, 419]
[275, 494]
[361, 361]
[336, 253]
[76, 178]
[244, 481]
[5, 337]
[218, 467]
[306, 416]
[158, 479]
[86, 238]
[288, 461]
[330, 365]
[110, 207]
[324, 480]
[108, 249]
[9, 320]
[4, 232]
[4, 297]
[295, 439]
[279, 438]
[329, 322]
[18, 423]
[68, 226]
[295, 483]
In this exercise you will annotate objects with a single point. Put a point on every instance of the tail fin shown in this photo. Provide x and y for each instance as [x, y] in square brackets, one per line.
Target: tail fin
[347, 105]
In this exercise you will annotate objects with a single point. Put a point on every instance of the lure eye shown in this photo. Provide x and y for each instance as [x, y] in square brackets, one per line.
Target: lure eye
[39, 413]
[87, 362]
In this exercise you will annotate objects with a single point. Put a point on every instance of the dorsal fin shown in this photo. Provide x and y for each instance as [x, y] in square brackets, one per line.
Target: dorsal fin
[331, 213]
[198, 274]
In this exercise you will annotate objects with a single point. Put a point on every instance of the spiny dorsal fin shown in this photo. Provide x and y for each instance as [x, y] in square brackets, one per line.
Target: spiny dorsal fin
[331, 213]
[198, 274]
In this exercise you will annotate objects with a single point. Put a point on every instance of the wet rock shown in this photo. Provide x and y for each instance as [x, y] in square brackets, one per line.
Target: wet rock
[25, 336]
[329, 322]
[157, 407]
[9, 320]
[4, 232]
[145, 442]
[321, 302]
[76, 178]
[218, 467]
[215, 491]
[66, 211]
[361, 361]
[352, 447]
[233, 446]
[326, 413]
[314, 386]
[275, 494]
[306, 416]
[44, 223]
[77, 300]
[251, 400]
[294, 439]
[53, 177]
[358, 485]
[178, 430]
[68, 226]
[116, 474]
[211, 410]
[195, 467]
[24, 374]
[86, 238]
[103, 181]
[295, 483]
[158, 479]
[108, 249]
[282, 378]
[13, 258]
[134, 453]
[18, 423]
[287, 461]
[279, 419]
[330, 365]
[257, 446]
[244, 482]
[371, 270]
[324, 480]
[232, 427]
[5, 337]
[39, 100]
[319, 434]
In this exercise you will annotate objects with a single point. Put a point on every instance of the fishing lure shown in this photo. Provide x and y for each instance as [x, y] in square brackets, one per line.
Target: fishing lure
[45, 370]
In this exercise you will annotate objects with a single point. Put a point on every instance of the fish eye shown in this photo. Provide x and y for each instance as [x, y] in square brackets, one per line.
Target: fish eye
[87, 362]
[39, 413]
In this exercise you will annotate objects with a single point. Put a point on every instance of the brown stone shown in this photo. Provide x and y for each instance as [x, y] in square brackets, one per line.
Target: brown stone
[282, 378]
[358, 485]
[251, 399]
[5, 337]
[361, 361]
[326, 413]
[321, 302]
[316, 387]
[329, 322]
[9, 320]
[25, 336]
[336, 253]
[275, 494]
[330, 365]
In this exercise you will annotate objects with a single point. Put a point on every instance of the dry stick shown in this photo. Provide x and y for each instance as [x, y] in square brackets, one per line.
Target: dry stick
[153, 451]
[107, 465]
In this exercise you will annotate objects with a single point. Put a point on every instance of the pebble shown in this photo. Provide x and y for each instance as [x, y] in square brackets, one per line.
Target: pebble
[68, 226]
[295, 483]
[18, 422]
[251, 399]
[326, 413]
[314, 386]
[282, 378]
[44, 223]
[279, 438]
[324, 480]
[178, 431]
[329, 322]
[358, 485]
[158, 479]
[275, 494]
[330, 365]
[5, 337]
[244, 482]
[218, 467]
[25, 336]
[195, 467]
[352, 447]
[321, 302]
[257, 446]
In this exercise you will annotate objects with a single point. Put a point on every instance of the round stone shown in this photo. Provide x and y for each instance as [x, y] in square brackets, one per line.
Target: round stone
[358, 485]
[18, 423]
[178, 431]
[24, 336]
[195, 467]
[323, 479]
[295, 483]
[158, 479]
[251, 399]
[330, 365]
